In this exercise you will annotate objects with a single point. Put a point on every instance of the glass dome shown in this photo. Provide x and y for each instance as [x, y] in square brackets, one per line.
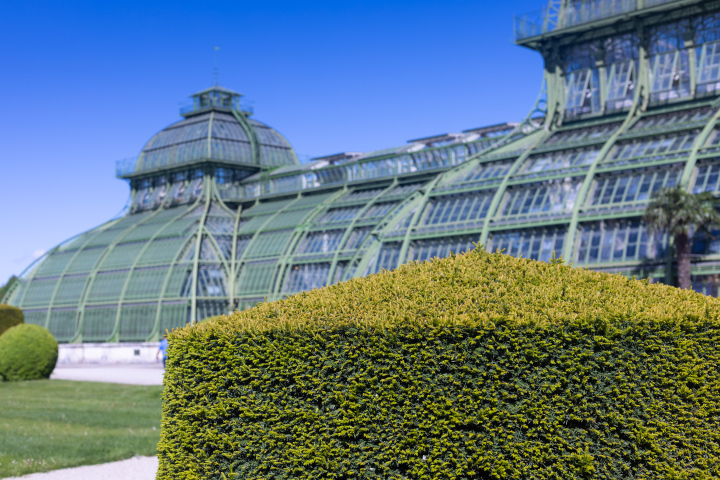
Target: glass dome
[215, 128]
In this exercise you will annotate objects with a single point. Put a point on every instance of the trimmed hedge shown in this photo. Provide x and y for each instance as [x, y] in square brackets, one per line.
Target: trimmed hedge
[27, 352]
[210, 319]
[9, 317]
[477, 366]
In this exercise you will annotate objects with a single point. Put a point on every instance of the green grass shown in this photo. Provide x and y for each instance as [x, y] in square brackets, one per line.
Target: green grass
[45, 425]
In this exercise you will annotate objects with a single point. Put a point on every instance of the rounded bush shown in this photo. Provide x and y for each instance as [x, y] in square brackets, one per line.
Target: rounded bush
[27, 352]
[9, 317]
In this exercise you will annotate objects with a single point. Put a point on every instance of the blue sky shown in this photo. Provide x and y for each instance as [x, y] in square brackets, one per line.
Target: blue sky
[88, 83]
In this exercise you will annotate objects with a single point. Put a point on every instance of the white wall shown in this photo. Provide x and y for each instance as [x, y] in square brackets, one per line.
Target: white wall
[104, 353]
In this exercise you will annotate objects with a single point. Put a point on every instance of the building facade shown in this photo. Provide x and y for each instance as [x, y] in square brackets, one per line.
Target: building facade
[223, 215]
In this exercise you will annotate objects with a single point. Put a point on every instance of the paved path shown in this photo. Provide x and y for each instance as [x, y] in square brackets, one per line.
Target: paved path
[136, 468]
[140, 374]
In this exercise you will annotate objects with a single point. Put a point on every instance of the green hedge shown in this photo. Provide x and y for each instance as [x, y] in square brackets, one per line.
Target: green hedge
[27, 352]
[9, 317]
[210, 319]
[478, 366]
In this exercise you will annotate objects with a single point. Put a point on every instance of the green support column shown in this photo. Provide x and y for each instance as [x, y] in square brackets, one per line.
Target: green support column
[241, 261]
[420, 204]
[500, 192]
[116, 331]
[198, 243]
[581, 200]
[254, 142]
[699, 142]
[286, 258]
[349, 229]
[94, 271]
[166, 280]
[62, 275]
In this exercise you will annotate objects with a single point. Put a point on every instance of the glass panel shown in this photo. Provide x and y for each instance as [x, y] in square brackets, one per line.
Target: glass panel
[620, 80]
[387, 258]
[162, 250]
[256, 277]
[210, 308]
[356, 238]
[663, 71]
[485, 171]
[292, 218]
[705, 284]
[146, 283]
[180, 281]
[211, 281]
[540, 199]
[652, 148]
[39, 292]
[536, 244]
[269, 244]
[85, 260]
[340, 270]
[143, 232]
[220, 225]
[98, 323]
[378, 211]
[338, 215]
[320, 242]
[664, 120]
[620, 240]
[457, 208]
[421, 250]
[242, 243]
[70, 290]
[252, 224]
[207, 250]
[35, 317]
[669, 75]
[307, 277]
[267, 207]
[55, 263]
[707, 178]
[576, 89]
[174, 315]
[361, 195]
[583, 134]
[558, 160]
[63, 323]
[107, 286]
[137, 321]
[633, 187]
[122, 255]
[709, 65]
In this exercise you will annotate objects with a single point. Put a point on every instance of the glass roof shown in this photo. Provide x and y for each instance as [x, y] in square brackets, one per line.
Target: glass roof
[215, 135]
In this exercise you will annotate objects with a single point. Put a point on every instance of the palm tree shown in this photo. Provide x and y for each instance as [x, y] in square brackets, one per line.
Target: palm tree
[677, 212]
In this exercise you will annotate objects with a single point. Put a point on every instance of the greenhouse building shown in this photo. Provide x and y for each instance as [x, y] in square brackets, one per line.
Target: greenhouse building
[223, 216]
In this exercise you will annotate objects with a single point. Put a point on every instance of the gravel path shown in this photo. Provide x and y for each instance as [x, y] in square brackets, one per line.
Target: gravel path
[136, 468]
[135, 374]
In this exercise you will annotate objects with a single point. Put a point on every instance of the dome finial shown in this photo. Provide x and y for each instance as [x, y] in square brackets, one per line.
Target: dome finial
[215, 63]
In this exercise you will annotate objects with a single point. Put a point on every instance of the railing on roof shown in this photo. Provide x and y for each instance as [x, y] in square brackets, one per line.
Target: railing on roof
[363, 169]
[245, 106]
[126, 166]
[576, 12]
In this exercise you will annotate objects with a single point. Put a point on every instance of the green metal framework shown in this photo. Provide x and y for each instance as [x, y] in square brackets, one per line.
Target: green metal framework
[628, 105]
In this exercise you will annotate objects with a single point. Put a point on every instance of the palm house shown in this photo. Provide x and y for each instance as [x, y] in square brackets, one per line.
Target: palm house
[223, 216]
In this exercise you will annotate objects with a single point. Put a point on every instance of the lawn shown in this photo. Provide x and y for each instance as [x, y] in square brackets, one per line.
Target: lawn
[50, 424]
